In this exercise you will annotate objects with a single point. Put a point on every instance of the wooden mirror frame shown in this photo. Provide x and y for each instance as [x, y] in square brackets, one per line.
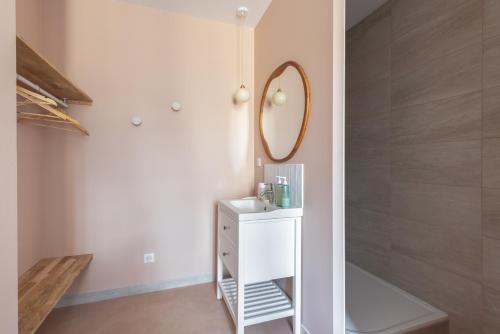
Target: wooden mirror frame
[307, 108]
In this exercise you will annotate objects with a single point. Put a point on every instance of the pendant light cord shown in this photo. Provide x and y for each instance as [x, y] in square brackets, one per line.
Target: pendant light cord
[240, 31]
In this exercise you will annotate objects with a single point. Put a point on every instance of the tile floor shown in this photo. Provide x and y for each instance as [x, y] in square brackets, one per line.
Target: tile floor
[190, 310]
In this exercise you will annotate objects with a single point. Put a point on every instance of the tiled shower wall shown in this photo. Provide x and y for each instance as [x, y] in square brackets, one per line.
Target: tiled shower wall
[423, 154]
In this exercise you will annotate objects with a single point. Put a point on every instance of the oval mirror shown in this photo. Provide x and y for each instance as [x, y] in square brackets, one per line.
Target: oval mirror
[284, 111]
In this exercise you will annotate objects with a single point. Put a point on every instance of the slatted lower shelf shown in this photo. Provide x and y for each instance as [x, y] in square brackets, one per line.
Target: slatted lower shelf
[264, 301]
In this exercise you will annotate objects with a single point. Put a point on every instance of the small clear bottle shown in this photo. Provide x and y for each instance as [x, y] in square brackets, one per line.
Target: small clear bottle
[285, 194]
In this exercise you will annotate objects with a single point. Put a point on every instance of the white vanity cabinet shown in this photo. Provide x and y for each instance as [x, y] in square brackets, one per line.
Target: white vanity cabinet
[256, 246]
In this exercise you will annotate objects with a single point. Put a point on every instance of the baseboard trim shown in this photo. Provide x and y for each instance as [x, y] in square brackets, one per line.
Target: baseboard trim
[305, 330]
[92, 297]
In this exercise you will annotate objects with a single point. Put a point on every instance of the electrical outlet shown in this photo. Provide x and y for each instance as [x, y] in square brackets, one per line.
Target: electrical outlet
[149, 258]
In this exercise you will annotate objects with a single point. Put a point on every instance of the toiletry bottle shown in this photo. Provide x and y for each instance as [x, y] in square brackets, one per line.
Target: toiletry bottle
[285, 194]
[278, 192]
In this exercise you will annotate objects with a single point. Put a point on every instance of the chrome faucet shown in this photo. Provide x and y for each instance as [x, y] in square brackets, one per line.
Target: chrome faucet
[265, 192]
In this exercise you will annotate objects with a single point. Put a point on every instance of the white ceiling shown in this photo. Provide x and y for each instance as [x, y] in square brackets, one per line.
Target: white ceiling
[357, 10]
[219, 10]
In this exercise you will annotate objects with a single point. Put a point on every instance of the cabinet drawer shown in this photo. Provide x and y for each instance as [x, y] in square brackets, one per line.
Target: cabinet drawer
[228, 228]
[269, 250]
[229, 255]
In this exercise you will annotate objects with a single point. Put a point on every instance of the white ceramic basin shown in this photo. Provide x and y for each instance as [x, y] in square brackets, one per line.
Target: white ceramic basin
[253, 209]
[251, 206]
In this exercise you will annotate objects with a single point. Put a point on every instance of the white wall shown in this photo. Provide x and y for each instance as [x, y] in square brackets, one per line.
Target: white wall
[338, 163]
[8, 174]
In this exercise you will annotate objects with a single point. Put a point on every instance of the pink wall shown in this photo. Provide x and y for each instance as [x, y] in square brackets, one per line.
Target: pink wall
[31, 145]
[302, 31]
[8, 175]
[126, 191]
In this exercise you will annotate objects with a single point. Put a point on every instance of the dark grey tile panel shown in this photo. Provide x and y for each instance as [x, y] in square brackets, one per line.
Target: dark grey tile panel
[368, 188]
[453, 119]
[450, 76]
[491, 311]
[446, 163]
[491, 213]
[437, 204]
[491, 163]
[491, 112]
[491, 266]
[491, 18]
[370, 35]
[458, 296]
[368, 113]
[364, 153]
[444, 244]
[371, 67]
[368, 237]
[410, 15]
[446, 31]
[492, 62]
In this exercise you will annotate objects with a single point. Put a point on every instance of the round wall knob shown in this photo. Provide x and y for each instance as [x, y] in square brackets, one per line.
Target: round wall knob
[176, 106]
[136, 121]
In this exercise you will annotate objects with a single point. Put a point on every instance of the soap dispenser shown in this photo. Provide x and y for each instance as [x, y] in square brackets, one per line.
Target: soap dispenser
[278, 192]
[285, 193]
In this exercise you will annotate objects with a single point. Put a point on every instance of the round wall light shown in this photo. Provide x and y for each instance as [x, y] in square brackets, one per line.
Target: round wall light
[242, 94]
[279, 98]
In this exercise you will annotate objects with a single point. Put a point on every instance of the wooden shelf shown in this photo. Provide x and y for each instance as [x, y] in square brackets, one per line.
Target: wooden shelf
[36, 76]
[34, 67]
[264, 301]
[41, 287]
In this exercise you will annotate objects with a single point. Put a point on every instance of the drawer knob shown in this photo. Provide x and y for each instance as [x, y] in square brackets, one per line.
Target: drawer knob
[225, 253]
[225, 227]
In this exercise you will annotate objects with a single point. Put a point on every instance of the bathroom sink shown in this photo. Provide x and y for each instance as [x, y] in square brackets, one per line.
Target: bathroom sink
[253, 209]
[251, 206]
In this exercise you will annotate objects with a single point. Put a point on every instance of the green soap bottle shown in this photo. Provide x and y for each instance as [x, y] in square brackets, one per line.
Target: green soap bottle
[285, 194]
[278, 192]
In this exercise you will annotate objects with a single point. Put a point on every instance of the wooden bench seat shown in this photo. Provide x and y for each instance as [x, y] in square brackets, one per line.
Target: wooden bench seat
[41, 288]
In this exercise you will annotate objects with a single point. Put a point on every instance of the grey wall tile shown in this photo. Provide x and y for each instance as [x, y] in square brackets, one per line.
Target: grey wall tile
[368, 188]
[368, 237]
[366, 154]
[446, 163]
[453, 75]
[369, 35]
[491, 112]
[491, 18]
[371, 67]
[368, 115]
[368, 101]
[443, 32]
[413, 153]
[491, 311]
[408, 15]
[428, 203]
[491, 163]
[458, 296]
[491, 62]
[491, 213]
[491, 260]
[447, 245]
[454, 119]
